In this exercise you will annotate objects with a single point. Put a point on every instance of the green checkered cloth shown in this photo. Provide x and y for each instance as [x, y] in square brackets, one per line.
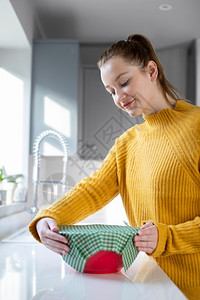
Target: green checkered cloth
[86, 240]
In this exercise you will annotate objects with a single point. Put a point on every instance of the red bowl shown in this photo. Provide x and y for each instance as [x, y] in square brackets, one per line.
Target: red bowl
[104, 262]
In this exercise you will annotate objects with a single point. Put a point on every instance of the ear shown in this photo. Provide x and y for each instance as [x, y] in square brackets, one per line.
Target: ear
[152, 69]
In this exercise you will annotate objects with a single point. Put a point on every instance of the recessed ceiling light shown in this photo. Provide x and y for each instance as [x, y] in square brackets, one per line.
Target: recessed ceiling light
[165, 7]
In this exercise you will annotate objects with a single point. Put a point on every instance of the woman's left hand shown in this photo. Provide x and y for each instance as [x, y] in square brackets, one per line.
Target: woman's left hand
[147, 238]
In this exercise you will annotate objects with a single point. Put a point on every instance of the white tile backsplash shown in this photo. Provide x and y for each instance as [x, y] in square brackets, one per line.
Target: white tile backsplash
[77, 169]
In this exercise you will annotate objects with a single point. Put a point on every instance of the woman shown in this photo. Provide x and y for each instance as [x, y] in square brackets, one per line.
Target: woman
[154, 166]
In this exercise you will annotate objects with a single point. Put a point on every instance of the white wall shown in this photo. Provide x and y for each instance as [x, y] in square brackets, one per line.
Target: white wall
[18, 63]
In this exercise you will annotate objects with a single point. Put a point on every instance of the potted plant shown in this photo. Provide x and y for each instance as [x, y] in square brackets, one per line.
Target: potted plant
[7, 186]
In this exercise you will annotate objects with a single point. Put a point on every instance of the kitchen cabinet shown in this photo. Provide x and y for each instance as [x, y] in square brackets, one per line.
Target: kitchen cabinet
[176, 62]
[55, 90]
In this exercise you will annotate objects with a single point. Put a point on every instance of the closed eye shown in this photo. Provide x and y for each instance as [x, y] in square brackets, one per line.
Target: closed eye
[125, 83]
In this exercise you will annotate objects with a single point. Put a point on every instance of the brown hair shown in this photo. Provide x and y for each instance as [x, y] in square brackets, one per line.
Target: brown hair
[139, 51]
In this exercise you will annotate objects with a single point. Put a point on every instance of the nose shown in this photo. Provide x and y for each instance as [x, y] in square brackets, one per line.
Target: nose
[119, 97]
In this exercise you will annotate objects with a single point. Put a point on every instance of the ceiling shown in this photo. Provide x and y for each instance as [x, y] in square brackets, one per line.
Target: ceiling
[106, 21]
[102, 21]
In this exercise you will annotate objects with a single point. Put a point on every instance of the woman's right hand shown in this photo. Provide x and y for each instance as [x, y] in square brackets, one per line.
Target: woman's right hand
[47, 230]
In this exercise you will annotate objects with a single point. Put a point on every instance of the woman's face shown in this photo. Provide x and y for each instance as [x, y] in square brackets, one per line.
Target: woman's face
[132, 90]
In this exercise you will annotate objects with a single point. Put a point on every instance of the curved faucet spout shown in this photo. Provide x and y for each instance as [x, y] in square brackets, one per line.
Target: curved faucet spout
[37, 158]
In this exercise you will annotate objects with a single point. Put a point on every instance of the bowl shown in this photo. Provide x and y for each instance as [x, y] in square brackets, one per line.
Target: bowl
[104, 262]
[99, 248]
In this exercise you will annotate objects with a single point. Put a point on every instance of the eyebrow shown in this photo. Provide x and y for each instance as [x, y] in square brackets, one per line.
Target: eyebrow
[118, 76]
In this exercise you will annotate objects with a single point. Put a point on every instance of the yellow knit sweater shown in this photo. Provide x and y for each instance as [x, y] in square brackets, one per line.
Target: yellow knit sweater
[155, 168]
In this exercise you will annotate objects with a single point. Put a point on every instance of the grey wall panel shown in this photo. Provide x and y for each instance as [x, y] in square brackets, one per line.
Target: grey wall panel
[55, 89]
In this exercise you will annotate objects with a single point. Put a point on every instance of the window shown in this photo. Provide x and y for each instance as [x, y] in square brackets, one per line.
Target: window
[11, 122]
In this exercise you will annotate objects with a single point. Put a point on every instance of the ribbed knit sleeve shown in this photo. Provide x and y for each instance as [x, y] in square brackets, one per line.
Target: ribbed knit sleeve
[87, 197]
[182, 238]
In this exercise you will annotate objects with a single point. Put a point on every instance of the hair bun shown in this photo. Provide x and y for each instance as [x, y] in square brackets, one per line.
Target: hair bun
[137, 38]
[142, 40]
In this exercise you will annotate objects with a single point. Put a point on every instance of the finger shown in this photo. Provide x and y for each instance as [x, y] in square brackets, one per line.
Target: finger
[45, 231]
[148, 231]
[60, 248]
[55, 229]
[146, 244]
[146, 250]
[57, 250]
[52, 224]
[54, 237]
[147, 224]
[144, 237]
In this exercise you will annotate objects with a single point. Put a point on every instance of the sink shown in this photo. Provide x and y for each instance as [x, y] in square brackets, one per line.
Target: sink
[20, 236]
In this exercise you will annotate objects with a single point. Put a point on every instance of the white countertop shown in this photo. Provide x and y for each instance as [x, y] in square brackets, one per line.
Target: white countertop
[30, 271]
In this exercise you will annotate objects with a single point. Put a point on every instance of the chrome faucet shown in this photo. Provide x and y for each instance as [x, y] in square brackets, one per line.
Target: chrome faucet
[37, 164]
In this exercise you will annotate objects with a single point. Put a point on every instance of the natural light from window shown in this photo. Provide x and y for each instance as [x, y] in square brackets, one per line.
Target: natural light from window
[11, 122]
[57, 117]
[51, 150]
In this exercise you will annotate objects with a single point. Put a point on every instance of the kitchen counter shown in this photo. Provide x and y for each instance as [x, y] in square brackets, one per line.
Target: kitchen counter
[30, 271]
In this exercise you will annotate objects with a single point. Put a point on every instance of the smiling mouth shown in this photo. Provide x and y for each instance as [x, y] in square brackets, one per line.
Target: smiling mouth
[128, 104]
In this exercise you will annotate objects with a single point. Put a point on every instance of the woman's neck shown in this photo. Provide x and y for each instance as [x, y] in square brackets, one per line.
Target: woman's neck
[161, 101]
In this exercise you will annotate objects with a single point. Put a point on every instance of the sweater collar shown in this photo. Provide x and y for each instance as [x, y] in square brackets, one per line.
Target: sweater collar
[161, 118]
